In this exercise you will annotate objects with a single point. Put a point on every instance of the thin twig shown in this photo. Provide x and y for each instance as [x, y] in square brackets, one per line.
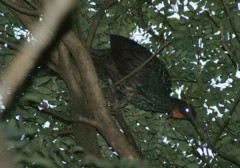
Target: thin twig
[208, 164]
[226, 47]
[69, 119]
[64, 132]
[22, 10]
[140, 66]
[165, 19]
[32, 4]
[58, 115]
[96, 21]
[231, 19]
[182, 80]
[223, 155]
[231, 52]
[235, 103]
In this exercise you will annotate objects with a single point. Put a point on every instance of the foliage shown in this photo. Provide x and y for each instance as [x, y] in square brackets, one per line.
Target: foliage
[203, 71]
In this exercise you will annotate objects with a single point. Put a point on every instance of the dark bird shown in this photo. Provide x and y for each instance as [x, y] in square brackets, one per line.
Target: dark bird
[151, 84]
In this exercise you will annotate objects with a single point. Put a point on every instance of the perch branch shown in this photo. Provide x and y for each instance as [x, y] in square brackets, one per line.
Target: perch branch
[22, 10]
[96, 21]
[95, 99]
[28, 55]
[140, 66]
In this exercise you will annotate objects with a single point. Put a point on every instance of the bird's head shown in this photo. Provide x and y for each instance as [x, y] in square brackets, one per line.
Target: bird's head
[182, 110]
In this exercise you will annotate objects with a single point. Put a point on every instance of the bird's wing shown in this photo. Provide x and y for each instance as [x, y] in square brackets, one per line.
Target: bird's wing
[153, 78]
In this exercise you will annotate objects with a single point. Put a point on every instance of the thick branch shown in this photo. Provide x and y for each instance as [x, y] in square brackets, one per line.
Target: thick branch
[25, 60]
[6, 159]
[95, 99]
[22, 10]
[140, 66]
[96, 21]
[127, 132]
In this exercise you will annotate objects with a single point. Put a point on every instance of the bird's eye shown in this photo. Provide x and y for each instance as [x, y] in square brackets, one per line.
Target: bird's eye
[187, 109]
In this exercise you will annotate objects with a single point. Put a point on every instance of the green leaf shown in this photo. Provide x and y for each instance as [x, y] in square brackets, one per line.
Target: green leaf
[179, 162]
[77, 149]
[193, 165]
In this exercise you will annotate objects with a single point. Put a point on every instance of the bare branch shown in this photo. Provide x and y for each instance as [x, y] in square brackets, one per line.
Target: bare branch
[25, 60]
[22, 10]
[95, 99]
[96, 21]
[93, 123]
[140, 66]
[126, 130]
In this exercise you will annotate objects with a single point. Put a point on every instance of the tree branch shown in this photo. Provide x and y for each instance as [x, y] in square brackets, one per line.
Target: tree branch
[235, 103]
[231, 19]
[6, 160]
[94, 96]
[28, 55]
[32, 4]
[140, 66]
[96, 21]
[214, 149]
[231, 52]
[59, 115]
[126, 130]
[22, 10]
[208, 164]
[69, 119]
[225, 47]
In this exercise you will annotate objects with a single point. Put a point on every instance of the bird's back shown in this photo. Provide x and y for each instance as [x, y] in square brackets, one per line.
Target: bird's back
[152, 83]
